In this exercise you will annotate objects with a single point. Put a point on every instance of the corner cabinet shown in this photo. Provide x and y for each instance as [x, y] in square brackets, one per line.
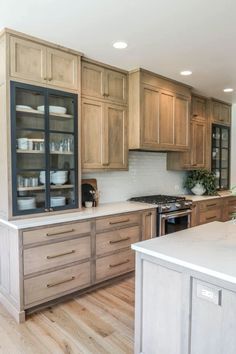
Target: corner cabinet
[159, 118]
[104, 118]
[44, 140]
[220, 112]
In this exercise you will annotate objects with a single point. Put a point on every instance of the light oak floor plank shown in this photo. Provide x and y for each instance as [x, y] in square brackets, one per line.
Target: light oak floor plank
[99, 322]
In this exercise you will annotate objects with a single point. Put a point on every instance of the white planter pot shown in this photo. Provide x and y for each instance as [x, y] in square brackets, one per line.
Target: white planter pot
[198, 189]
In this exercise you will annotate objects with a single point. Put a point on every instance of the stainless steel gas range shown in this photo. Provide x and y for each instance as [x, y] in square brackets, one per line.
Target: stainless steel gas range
[173, 213]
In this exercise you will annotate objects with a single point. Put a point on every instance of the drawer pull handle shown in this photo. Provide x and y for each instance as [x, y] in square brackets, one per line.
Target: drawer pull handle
[121, 240]
[118, 222]
[210, 205]
[149, 214]
[118, 264]
[211, 217]
[60, 282]
[61, 254]
[60, 232]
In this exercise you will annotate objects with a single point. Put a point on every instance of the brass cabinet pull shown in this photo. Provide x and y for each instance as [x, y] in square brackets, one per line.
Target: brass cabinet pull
[50, 79]
[211, 217]
[60, 282]
[118, 264]
[61, 254]
[121, 240]
[149, 214]
[118, 222]
[46, 210]
[210, 205]
[105, 163]
[60, 232]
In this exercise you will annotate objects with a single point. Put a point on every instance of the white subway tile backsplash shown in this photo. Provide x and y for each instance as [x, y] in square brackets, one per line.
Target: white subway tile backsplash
[147, 175]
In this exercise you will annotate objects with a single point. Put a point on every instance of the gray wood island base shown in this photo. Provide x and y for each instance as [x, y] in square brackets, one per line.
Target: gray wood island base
[186, 292]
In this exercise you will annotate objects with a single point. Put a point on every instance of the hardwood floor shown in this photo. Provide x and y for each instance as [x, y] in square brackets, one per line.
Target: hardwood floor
[100, 322]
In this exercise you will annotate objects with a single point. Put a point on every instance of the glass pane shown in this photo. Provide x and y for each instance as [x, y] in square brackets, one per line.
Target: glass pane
[61, 113]
[61, 151]
[225, 138]
[216, 137]
[224, 158]
[30, 191]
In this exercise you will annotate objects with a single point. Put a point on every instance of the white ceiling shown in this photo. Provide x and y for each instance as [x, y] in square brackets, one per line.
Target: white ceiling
[164, 36]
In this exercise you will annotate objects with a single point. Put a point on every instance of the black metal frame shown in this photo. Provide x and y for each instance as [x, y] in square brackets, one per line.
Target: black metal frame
[46, 94]
[220, 150]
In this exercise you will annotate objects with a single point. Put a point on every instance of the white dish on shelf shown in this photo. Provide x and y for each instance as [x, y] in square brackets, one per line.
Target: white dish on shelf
[22, 143]
[58, 201]
[26, 203]
[21, 106]
[53, 109]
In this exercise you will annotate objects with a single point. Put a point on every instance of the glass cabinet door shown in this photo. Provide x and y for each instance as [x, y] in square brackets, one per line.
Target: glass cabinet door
[44, 149]
[220, 155]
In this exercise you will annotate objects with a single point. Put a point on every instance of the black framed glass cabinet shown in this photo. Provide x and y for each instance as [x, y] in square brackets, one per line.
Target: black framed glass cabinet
[220, 159]
[44, 132]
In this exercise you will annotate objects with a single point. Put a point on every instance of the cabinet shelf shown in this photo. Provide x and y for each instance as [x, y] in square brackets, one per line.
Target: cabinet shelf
[42, 152]
[41, 114]
[39, 188]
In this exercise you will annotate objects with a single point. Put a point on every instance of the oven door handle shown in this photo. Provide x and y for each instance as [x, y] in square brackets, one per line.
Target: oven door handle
[174, 215]
[164, 217]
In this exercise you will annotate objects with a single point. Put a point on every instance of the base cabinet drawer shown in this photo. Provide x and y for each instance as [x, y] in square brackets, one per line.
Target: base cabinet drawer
[117, 221]
[117, 239]
[210, 204]
[113, 265]
[210, 215]
[51, 285]
[56, 254]
[56, 232]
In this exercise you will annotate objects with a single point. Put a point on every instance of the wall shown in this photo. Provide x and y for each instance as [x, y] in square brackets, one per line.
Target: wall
[147, 175]
[233, 147]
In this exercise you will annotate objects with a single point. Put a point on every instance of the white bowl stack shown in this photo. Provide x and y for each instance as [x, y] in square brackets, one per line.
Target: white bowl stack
[58, 201]
[53, 109]
[42, 176]
[59, 177]
[26, 203]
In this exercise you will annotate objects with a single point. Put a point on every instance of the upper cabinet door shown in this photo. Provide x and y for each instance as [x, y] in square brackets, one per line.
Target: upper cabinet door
[28, 60]
[92, 134]
[198, 147]
[116, 89]
[115, 137]
[199, 108]
[93, 80]
[226, 113]
[150, 117]
[62, 69]
[166, 119]
[221, 113]
[181, 122]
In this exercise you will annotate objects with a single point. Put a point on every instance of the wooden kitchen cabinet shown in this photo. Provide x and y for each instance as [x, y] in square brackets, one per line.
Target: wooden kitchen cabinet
[158, 113]
[220, 112]
[39, 63]
[198, 156]
[104, 135]
[149, 224]
[104, 83]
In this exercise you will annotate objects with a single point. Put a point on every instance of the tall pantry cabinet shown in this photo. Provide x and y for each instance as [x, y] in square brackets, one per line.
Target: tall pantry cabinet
[36, 141]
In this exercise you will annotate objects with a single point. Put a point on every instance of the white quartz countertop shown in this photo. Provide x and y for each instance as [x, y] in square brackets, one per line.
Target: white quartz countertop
[105, 209]
[200, 198]
[209, 249]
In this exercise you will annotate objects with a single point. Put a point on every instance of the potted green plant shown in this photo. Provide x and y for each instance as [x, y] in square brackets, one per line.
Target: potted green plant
[201, 182]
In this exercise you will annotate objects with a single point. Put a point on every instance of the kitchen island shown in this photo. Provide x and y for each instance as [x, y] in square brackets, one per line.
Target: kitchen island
[186, 292]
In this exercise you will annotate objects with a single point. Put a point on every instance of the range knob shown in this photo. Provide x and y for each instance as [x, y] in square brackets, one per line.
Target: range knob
[163, 208]
[168, 206]
[187, 203]
[178, 205]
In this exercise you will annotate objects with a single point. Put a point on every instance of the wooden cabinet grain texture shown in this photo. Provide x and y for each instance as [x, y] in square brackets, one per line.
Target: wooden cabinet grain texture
[220, 112]
[149, 224]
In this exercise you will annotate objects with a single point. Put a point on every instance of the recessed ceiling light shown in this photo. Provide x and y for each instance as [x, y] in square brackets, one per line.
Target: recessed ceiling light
[228, 89]
[120, 45]
[186, 72]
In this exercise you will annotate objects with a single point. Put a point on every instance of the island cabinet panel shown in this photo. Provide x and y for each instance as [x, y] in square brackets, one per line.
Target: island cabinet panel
[160, 327]
[213, 323]
[159, 118]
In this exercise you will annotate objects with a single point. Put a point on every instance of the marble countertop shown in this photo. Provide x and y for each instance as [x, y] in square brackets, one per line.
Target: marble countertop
[105, 209]
[209, 249]
[200, 198]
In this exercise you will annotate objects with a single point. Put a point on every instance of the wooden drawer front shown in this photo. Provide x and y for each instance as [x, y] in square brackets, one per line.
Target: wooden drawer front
[51, 285]
[210, 204]
[116, 221]
[110, 266]
[210, 215]
[57, 232]
[56, 254]
[117, 239]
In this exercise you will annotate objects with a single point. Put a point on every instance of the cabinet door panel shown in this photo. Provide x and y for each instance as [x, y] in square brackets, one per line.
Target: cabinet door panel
[181, 122]
[116, 86]
[92, 124]
[150, 109]
[93, 80]
[115, 137]
[199, 144]
[28, 60]
[62, 69]
[166, 119]
[199, 107]
[225, 113]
